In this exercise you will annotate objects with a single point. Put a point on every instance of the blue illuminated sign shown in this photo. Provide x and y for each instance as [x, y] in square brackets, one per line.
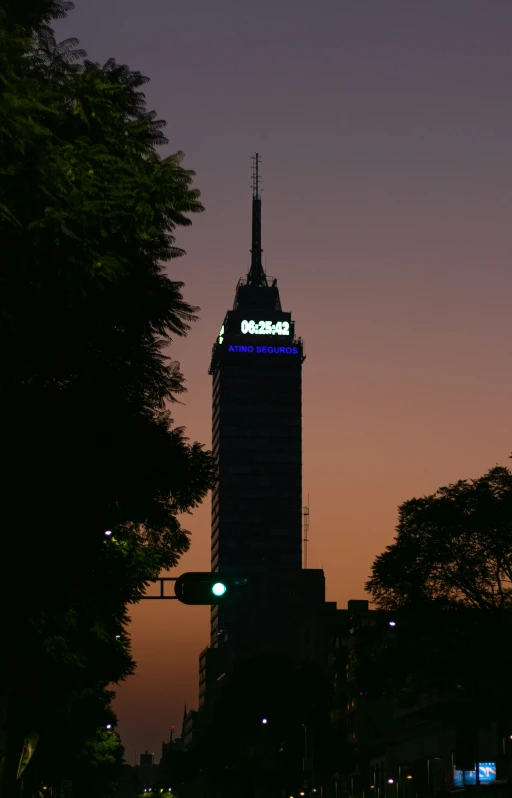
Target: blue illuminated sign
[486, 774]
[266, 350]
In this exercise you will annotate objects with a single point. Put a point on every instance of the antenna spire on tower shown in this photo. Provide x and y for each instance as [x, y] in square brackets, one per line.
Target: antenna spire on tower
[256, 158]
[256, 274]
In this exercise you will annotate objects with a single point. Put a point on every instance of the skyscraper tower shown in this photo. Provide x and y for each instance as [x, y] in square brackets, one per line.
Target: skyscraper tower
[257, 430]
[276, 606]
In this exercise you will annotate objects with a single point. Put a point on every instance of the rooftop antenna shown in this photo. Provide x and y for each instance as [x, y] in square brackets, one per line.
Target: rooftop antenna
[305, 532]
[256, 160]
[256, 274]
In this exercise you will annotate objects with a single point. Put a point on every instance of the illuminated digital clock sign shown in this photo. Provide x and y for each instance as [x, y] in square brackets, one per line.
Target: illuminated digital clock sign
[265, 327]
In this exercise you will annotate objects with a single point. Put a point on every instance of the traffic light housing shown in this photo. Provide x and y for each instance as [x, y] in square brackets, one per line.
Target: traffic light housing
[203, 587]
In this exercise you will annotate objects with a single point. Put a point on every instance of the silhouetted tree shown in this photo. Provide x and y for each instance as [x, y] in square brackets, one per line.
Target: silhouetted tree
[79, 748]
[447, 578]
[453, 548]
[88, 212]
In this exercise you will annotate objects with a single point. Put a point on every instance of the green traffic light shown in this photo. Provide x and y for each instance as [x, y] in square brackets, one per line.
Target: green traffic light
[204, 587]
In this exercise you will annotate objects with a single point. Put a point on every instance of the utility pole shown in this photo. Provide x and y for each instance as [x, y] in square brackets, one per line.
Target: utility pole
[305, 760]
[305, 534]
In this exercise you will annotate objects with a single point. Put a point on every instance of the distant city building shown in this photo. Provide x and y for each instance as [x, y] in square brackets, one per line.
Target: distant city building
[386, 750]
[147, 770]
[147, 760]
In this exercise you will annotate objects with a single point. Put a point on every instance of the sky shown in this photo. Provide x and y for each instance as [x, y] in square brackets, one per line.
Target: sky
[385, 130]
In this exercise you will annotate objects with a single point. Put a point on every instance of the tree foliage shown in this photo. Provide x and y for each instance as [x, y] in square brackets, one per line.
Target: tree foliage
[448, 579]
[453, 548]
[79, 748]
[88, 216]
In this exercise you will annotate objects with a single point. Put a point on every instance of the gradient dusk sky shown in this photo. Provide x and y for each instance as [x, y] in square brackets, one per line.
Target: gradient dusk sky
[385, 128]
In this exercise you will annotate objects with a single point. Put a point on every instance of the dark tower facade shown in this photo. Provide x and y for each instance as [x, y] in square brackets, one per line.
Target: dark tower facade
[257, 432]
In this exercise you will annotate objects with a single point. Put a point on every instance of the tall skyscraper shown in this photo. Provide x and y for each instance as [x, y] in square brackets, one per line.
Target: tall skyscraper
[257, 428]
[257, 502]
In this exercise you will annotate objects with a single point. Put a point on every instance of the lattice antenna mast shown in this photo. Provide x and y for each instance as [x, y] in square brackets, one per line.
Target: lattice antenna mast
[256, 274]
[256, 160]
[305, 533]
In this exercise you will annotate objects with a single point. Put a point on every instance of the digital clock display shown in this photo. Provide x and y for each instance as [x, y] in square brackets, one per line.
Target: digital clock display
[265, 327]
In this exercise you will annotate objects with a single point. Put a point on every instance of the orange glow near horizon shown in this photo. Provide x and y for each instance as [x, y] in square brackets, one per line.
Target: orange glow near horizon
[386, 129]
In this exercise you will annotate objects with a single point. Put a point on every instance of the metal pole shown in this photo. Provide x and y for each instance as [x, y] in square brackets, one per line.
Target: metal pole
[305, 750]
[477, 756]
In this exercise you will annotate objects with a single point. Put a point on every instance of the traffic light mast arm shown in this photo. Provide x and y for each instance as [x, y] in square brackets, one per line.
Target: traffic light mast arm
[162, 579]
[199, 587]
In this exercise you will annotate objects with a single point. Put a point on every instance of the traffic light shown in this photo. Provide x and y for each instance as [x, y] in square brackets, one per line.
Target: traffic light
[202, 587]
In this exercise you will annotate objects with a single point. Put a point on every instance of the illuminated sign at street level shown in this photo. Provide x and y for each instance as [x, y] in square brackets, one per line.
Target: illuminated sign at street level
[266, 350]
[486, 774]
[265, 327]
